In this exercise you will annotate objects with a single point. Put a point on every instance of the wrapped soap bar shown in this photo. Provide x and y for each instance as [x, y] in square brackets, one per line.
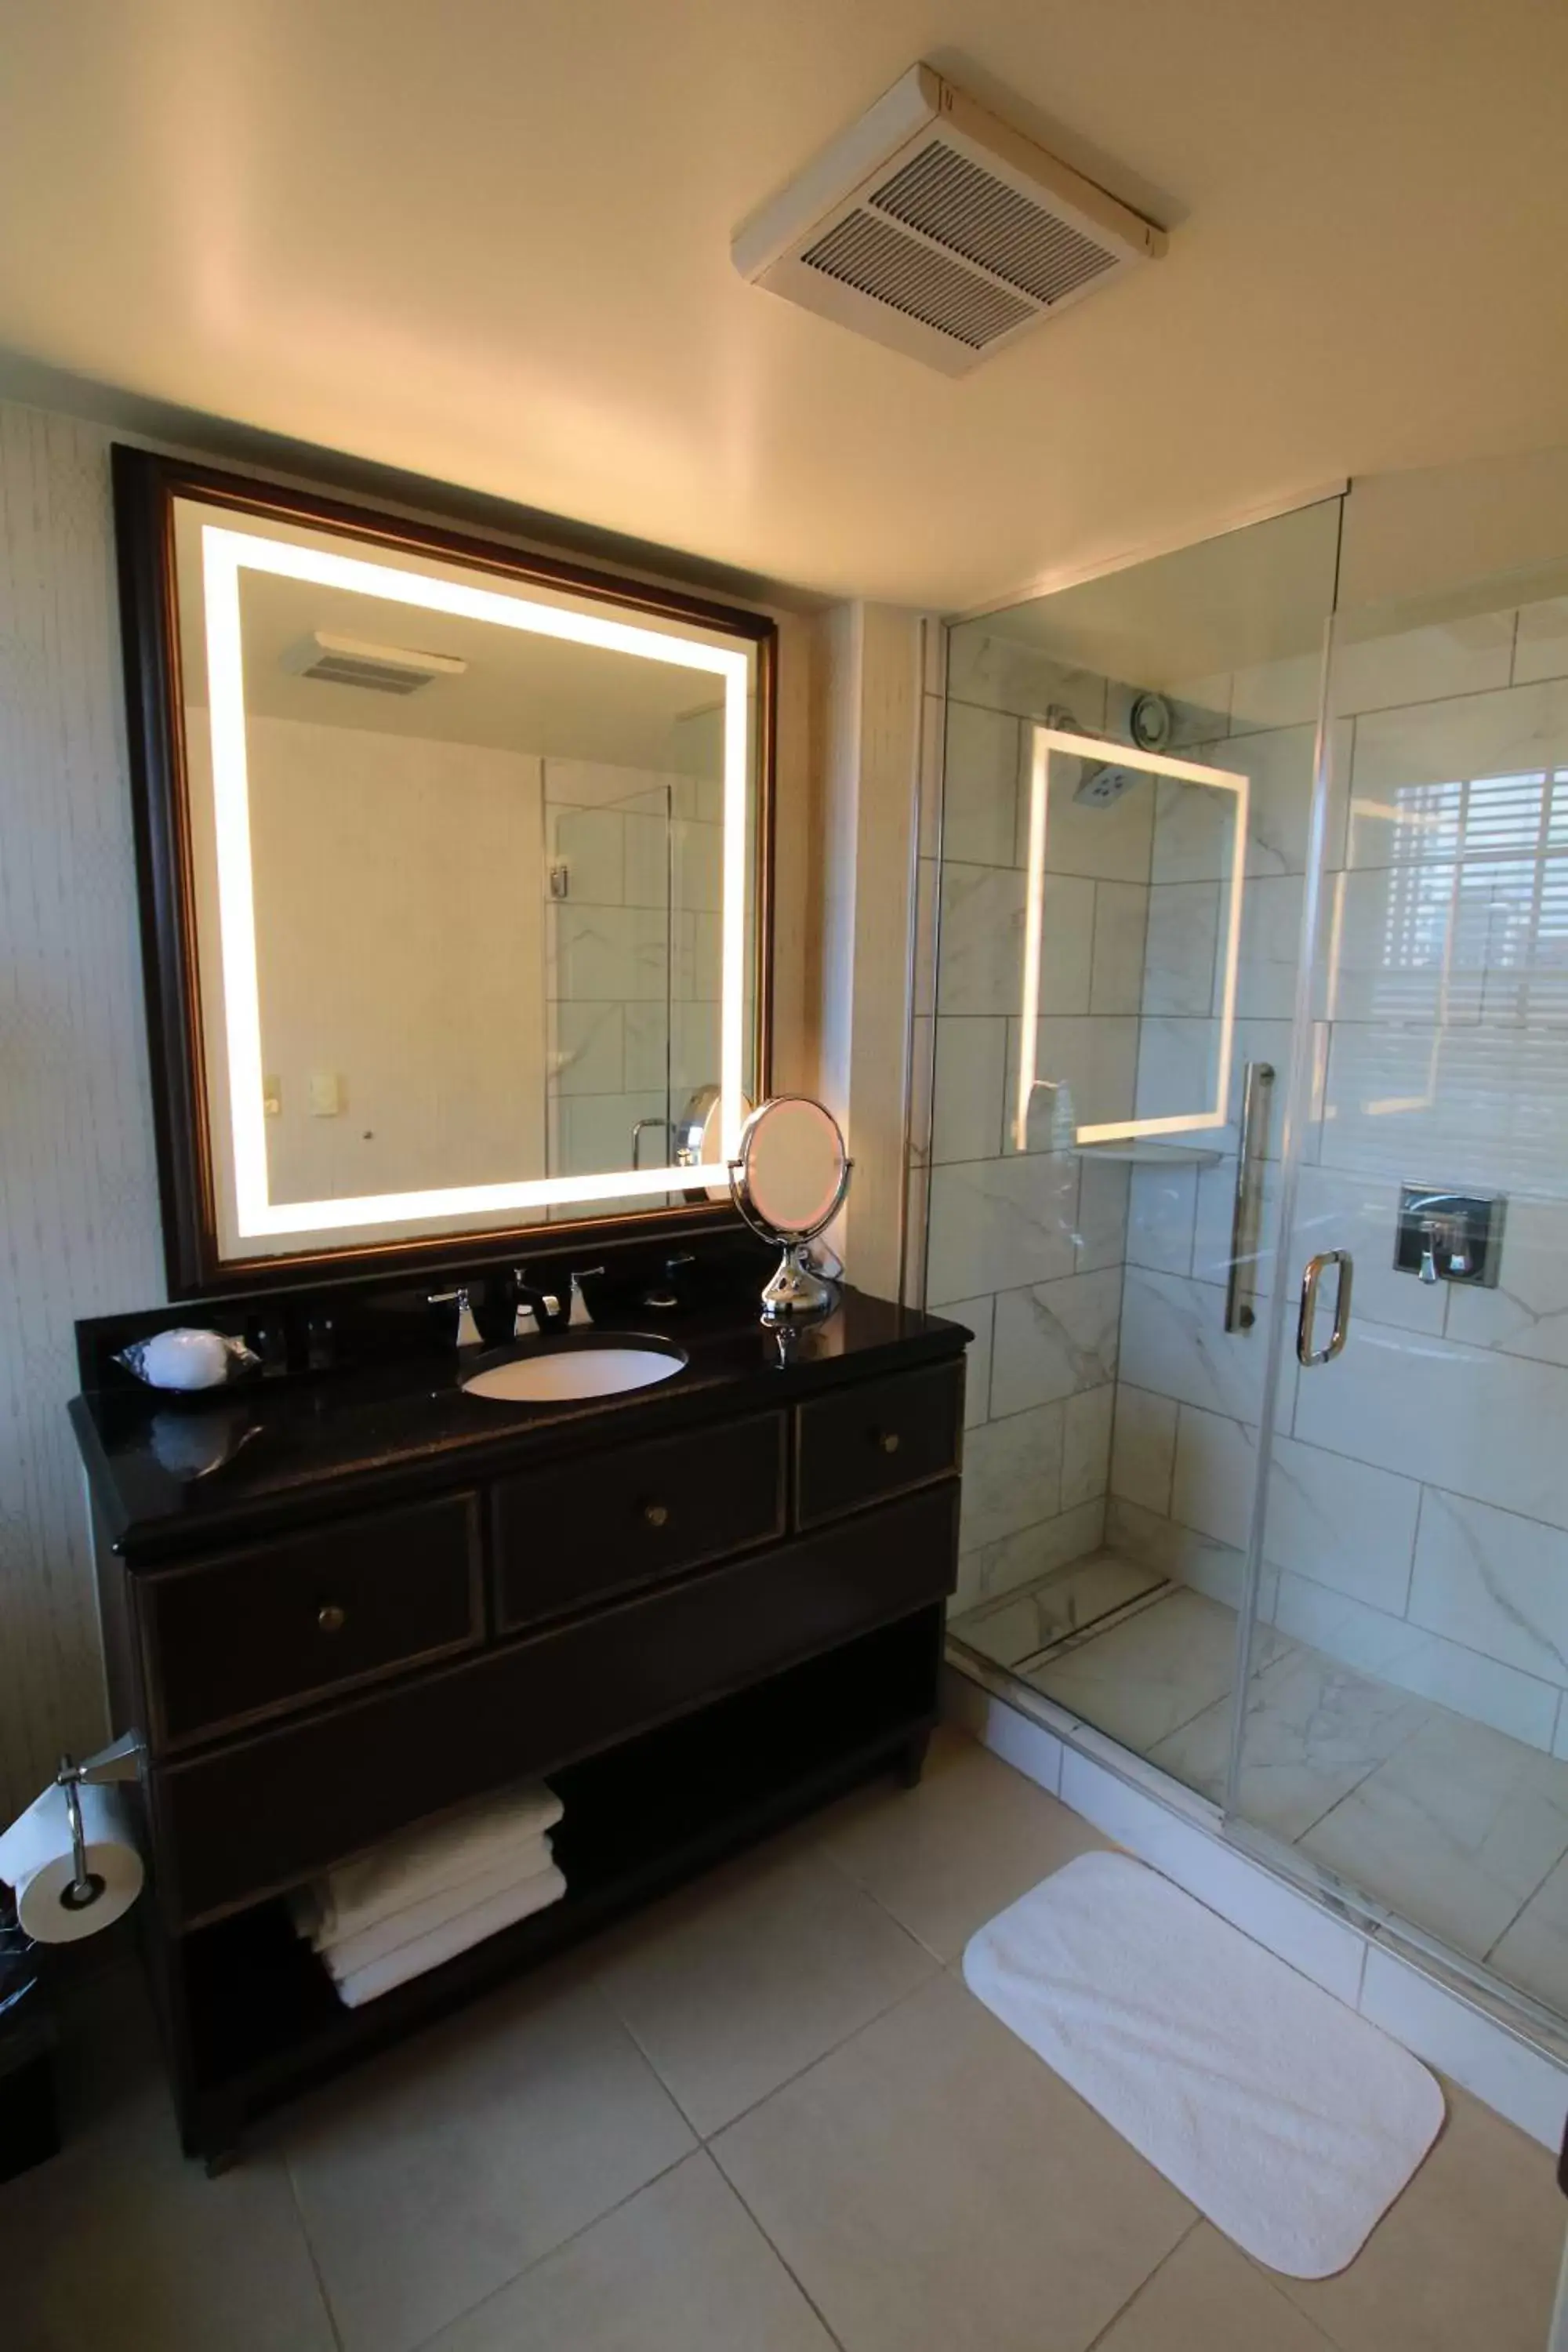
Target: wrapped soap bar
[188, 1359]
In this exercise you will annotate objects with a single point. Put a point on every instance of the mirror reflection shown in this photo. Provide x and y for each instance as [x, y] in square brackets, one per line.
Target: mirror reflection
[1179, 966]
[474, 875]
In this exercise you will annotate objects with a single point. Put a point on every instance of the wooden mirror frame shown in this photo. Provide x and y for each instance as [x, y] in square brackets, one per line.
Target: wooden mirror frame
[146, 487]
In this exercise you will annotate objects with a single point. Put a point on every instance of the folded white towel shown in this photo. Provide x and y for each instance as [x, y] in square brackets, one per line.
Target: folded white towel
[546, 1887]
[344, 1954]
[432, 1855]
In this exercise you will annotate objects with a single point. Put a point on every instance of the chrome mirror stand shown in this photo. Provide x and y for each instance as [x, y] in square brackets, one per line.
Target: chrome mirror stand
[795, 1287]
[798, 1289]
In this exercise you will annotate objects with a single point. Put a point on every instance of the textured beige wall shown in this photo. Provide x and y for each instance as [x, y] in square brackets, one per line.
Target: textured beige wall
[78, 1215]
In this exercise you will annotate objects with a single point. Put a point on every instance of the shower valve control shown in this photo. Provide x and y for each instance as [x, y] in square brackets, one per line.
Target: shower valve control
[1448, 1237]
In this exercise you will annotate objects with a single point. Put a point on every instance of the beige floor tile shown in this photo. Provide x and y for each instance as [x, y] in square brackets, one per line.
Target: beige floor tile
[430, 2179]
[947, 1856]
[1209, 2298]
[934, 2188]
[120, 2244]
[680, 2267]
[1467, 2259]
[739, 1982]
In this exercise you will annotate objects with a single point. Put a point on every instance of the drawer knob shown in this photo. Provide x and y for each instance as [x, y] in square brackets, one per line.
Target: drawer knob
[887, 1439]
[331, 1618]
[655, 1514]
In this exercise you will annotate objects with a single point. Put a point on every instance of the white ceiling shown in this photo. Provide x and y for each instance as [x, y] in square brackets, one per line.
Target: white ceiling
[487, 243]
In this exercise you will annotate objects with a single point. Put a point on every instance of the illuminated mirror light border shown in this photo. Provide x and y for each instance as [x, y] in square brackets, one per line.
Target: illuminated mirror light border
[224, 553]
[1046, 740]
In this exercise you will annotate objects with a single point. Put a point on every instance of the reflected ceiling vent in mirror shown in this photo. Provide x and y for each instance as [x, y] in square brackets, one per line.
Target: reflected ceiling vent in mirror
[353, 661]
[933, 227]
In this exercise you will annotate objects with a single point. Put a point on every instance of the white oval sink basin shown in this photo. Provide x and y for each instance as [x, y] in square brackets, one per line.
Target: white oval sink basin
[560, 1373]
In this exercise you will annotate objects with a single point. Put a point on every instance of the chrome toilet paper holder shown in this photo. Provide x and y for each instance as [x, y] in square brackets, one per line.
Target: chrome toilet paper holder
[121, 1761]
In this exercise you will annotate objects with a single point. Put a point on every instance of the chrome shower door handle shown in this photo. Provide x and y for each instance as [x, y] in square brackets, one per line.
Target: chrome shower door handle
[1257, 1086]
[1306, 1320]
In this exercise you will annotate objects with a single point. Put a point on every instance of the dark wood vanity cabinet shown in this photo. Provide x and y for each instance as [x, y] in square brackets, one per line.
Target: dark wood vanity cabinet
[694, 1631]
[272, 1626]
[857, 1445]
[644, 1514]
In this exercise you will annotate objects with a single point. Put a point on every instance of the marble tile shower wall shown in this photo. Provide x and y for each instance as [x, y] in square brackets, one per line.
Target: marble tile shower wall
[1027, 1248]
[1418, 1506]
[633, 950]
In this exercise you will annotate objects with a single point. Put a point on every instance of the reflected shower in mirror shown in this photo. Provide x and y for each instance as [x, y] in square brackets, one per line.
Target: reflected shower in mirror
[1191, 947]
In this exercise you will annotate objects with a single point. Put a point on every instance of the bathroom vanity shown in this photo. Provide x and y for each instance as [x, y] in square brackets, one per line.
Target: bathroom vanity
[456, 892]
[697, 1608]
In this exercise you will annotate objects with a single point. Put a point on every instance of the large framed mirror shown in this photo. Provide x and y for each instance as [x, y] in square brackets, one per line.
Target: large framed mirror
[455, 873]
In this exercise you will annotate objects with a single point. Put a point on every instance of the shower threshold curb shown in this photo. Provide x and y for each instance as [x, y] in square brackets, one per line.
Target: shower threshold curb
[1513, 2061]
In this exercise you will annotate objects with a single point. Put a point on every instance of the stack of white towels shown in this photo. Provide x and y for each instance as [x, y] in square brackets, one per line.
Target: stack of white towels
[433, 1891]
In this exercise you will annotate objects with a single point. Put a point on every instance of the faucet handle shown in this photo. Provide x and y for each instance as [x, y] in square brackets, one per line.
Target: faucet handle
[580, 1274]
[469, 1332]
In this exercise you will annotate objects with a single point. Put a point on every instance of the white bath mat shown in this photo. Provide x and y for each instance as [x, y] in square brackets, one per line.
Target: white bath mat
[1285, 2117]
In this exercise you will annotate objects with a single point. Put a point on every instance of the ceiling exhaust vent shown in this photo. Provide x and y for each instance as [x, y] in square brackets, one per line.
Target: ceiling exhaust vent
[933, 227]
[351, 661]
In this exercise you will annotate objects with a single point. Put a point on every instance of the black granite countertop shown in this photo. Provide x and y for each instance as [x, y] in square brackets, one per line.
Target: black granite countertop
[172, 1474]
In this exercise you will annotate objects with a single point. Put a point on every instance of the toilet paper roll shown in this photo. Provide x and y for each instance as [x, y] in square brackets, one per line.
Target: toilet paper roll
[36, 1864]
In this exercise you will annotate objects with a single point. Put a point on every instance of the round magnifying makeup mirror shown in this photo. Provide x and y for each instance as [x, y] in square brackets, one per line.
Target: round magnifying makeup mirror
[789, 1179]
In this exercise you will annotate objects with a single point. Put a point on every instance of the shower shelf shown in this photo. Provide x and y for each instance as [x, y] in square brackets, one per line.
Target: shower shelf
[1151, 1155]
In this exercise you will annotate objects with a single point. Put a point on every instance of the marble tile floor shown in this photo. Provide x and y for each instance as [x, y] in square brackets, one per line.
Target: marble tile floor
[1453, 1826]
[766, 2117]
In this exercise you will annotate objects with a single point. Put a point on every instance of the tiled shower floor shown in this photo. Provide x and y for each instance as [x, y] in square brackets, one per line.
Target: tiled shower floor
[1454, 1826]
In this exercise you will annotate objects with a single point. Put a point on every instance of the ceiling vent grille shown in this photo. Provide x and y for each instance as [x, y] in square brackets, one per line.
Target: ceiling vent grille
[383, 669]
[980, 217]
[934, 226]
[878, 259]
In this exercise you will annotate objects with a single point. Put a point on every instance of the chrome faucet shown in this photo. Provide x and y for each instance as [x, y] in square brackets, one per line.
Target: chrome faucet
[544, 1310]
[537, 1310]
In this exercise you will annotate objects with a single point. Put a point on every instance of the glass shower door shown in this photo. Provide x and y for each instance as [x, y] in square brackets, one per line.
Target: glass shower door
[1405, 1727]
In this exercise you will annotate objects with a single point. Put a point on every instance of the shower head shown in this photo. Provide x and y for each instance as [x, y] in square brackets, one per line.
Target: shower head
[1149, 724]
[1100, 786]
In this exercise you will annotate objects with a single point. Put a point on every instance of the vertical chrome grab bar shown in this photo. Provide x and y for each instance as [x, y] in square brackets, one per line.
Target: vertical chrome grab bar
[1256, 1091]
[1306, 1319]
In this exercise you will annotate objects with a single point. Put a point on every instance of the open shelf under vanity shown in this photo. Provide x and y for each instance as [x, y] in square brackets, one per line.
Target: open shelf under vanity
[264, 2019]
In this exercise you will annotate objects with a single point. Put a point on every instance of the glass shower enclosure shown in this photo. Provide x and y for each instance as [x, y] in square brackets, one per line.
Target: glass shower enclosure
[1412, 1515]
[1249, 1080]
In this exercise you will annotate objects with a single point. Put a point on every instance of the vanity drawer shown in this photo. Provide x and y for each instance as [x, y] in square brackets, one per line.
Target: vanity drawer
[269, 1811]
[230, 1638]
[571, 1535]
[859, 1444]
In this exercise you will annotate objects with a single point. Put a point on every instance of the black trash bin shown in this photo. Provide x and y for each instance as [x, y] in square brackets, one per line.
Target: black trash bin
[29, 2112]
